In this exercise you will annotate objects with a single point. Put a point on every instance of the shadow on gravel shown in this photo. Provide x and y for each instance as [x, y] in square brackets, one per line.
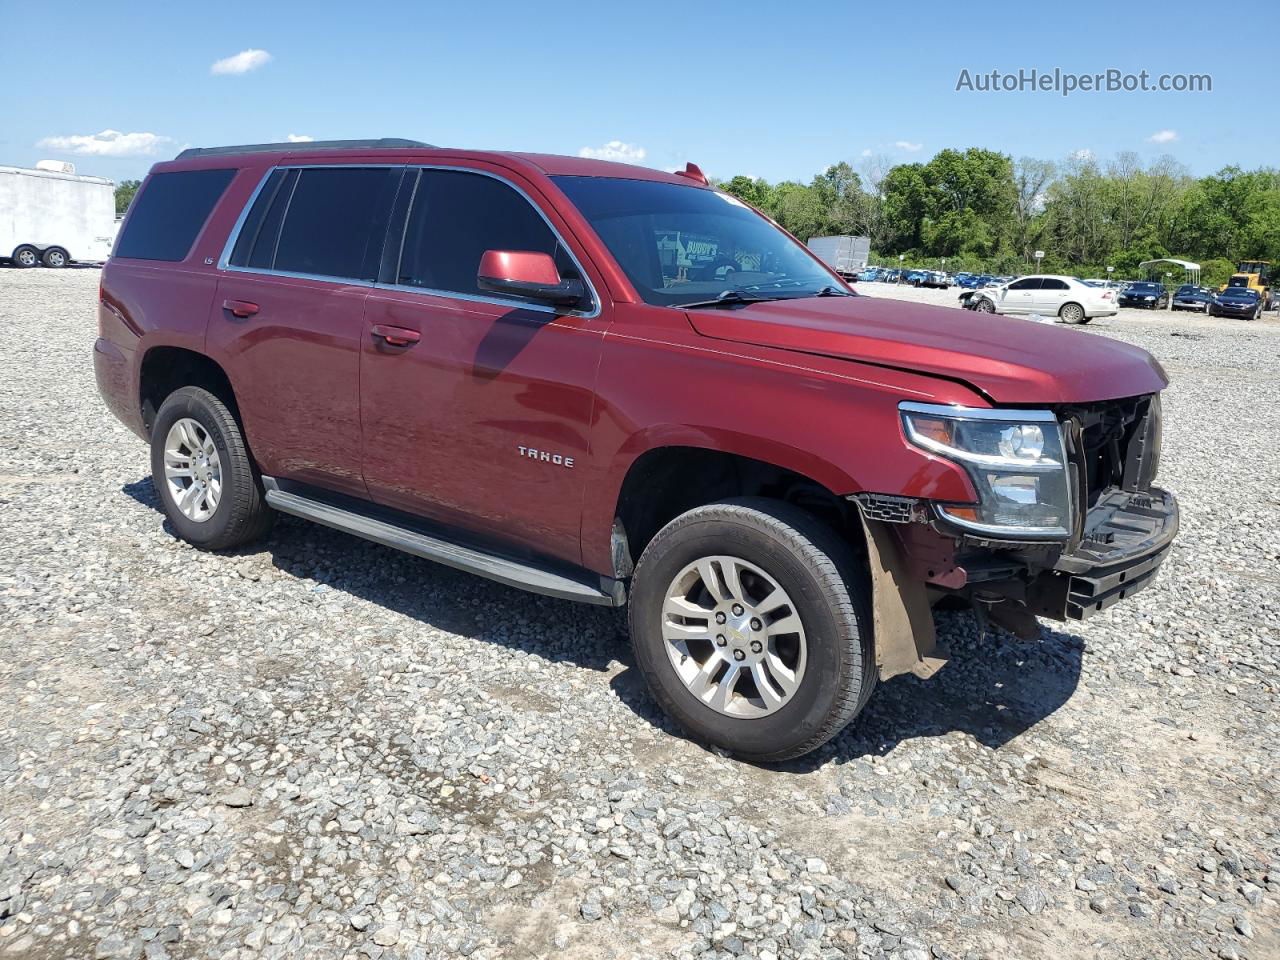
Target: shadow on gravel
[993, 689]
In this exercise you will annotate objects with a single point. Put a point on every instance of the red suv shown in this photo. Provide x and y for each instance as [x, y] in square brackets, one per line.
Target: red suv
[621, 386]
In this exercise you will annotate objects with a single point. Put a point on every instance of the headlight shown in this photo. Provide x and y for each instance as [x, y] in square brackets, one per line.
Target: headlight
[1148, 298]
[1015, 458]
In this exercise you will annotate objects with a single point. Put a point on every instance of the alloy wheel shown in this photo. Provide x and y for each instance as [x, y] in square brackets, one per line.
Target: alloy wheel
[192, 469]
[734, 637]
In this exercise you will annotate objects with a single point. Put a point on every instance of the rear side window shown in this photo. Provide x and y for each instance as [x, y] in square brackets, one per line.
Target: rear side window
[1050, 283]
[457, 216]
[326, 222]
[170, 212]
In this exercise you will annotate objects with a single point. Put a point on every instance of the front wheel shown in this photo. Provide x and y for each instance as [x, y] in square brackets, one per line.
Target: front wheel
[985, 306]
[750, 623]
[201, 468]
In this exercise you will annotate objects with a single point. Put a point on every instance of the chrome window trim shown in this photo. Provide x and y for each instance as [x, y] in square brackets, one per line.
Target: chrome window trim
[223, 260]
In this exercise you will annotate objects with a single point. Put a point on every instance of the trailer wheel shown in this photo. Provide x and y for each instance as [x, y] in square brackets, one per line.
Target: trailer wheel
[25, 256]
[55, 257]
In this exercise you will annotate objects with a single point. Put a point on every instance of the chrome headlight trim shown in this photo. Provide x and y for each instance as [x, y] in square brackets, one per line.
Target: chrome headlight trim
[979, 465]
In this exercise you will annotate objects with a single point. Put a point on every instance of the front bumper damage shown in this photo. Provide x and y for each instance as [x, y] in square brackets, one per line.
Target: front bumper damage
[916, 561]
[1127, 537]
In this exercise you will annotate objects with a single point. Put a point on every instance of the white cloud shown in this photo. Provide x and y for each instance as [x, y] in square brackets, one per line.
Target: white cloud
[242, 62]
[614, 150]
[866, 152]
[908, 145]
[1163, 136]
[108, 143]
[1084, 153]
[299, 138]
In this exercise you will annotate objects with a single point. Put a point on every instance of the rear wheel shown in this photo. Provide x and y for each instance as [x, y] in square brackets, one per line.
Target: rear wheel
[1072, 313]
[55, 257]
[750, 625]
[201, 468]
[25, 257]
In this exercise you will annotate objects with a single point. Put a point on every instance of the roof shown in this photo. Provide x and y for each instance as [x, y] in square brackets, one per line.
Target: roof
[1184, 264]
[410, 151]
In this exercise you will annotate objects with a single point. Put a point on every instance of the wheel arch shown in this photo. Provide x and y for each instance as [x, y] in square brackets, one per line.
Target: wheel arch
[680, 471]
[165, 368]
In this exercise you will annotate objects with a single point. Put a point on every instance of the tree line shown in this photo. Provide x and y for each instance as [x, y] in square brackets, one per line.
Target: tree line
[984, 211]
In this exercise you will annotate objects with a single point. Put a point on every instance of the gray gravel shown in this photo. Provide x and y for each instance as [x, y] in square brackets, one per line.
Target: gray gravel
[321, 748]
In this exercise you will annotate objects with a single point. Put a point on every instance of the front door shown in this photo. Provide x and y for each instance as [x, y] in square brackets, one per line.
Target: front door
[288, 317]
[1020, 296]
[477, 409]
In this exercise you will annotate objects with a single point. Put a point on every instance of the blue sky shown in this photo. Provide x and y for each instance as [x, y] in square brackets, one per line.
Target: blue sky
[772, 89]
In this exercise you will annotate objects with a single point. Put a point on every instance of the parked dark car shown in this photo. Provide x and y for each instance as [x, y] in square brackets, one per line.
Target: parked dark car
[1237, 302]
[1191, 297]
[1152, 296]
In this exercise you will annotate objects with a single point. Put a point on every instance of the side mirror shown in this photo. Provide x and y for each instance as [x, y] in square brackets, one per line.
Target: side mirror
[528, 275]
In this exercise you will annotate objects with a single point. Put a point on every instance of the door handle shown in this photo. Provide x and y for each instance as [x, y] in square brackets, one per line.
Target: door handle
[396, 336]
[240, 308]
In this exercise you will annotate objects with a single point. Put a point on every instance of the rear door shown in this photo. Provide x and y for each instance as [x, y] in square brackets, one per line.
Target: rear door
[481, 418]
[1053, 293]
[288, 317]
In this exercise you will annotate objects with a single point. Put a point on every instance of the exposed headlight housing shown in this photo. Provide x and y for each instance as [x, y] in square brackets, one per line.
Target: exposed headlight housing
[1016, 459]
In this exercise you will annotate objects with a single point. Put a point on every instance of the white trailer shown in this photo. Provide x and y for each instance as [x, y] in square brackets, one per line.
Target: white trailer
[847, 256]
[51, 216]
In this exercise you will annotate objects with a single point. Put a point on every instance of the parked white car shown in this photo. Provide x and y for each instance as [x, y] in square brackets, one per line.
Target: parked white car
[1070, 298]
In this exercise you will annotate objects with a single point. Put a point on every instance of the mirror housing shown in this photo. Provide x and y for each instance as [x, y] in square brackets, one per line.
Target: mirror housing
[529, 276]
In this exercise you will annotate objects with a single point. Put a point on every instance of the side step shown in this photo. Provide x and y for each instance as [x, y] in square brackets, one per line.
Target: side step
[604, 591]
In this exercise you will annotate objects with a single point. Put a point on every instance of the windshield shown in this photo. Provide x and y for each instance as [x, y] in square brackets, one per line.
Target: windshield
[1240, 292]
[1145, 287]
[686, 244]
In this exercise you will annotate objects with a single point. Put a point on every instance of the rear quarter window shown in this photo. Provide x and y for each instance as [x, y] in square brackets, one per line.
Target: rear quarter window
[170, 212]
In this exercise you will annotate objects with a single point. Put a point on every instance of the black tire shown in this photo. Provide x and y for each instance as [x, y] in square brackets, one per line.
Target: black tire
[1072, 313]
[818, 571]
[55, 258]
[985, 306]
[26, 256]
[242, 514]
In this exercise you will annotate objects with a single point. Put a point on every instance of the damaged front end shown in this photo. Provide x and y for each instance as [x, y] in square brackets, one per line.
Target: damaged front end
[1068, 522]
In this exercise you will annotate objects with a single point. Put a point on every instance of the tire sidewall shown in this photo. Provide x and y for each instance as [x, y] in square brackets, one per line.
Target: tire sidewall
[189, 403]
[825, 632]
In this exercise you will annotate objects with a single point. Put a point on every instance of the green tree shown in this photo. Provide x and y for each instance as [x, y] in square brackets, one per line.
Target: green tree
[125, 192]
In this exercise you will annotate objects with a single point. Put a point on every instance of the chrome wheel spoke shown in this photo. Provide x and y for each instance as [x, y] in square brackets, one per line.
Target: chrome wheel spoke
[772, 700]
[700, 683]
[192, 470]
[710, 575]
[788, 624]
[724, 691]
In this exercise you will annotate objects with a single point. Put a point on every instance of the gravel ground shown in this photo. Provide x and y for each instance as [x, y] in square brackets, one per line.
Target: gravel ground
[322, 748]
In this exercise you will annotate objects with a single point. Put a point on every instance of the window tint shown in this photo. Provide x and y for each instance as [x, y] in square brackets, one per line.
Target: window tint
[457, 216]
[256, 243]
[335, 221]
[1049, 283]
[169, 213]
[1030, 284]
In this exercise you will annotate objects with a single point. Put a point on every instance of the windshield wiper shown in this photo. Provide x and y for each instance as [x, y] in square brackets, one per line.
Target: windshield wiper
[729, 298]
[833, 292]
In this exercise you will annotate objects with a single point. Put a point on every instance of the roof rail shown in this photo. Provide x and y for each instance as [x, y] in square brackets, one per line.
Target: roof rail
[379, 143]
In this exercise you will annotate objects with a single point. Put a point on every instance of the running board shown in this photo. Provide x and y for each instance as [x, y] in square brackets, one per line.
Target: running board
[605, 592]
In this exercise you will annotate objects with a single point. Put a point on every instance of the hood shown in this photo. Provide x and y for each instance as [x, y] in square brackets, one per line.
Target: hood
[1008, 359]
